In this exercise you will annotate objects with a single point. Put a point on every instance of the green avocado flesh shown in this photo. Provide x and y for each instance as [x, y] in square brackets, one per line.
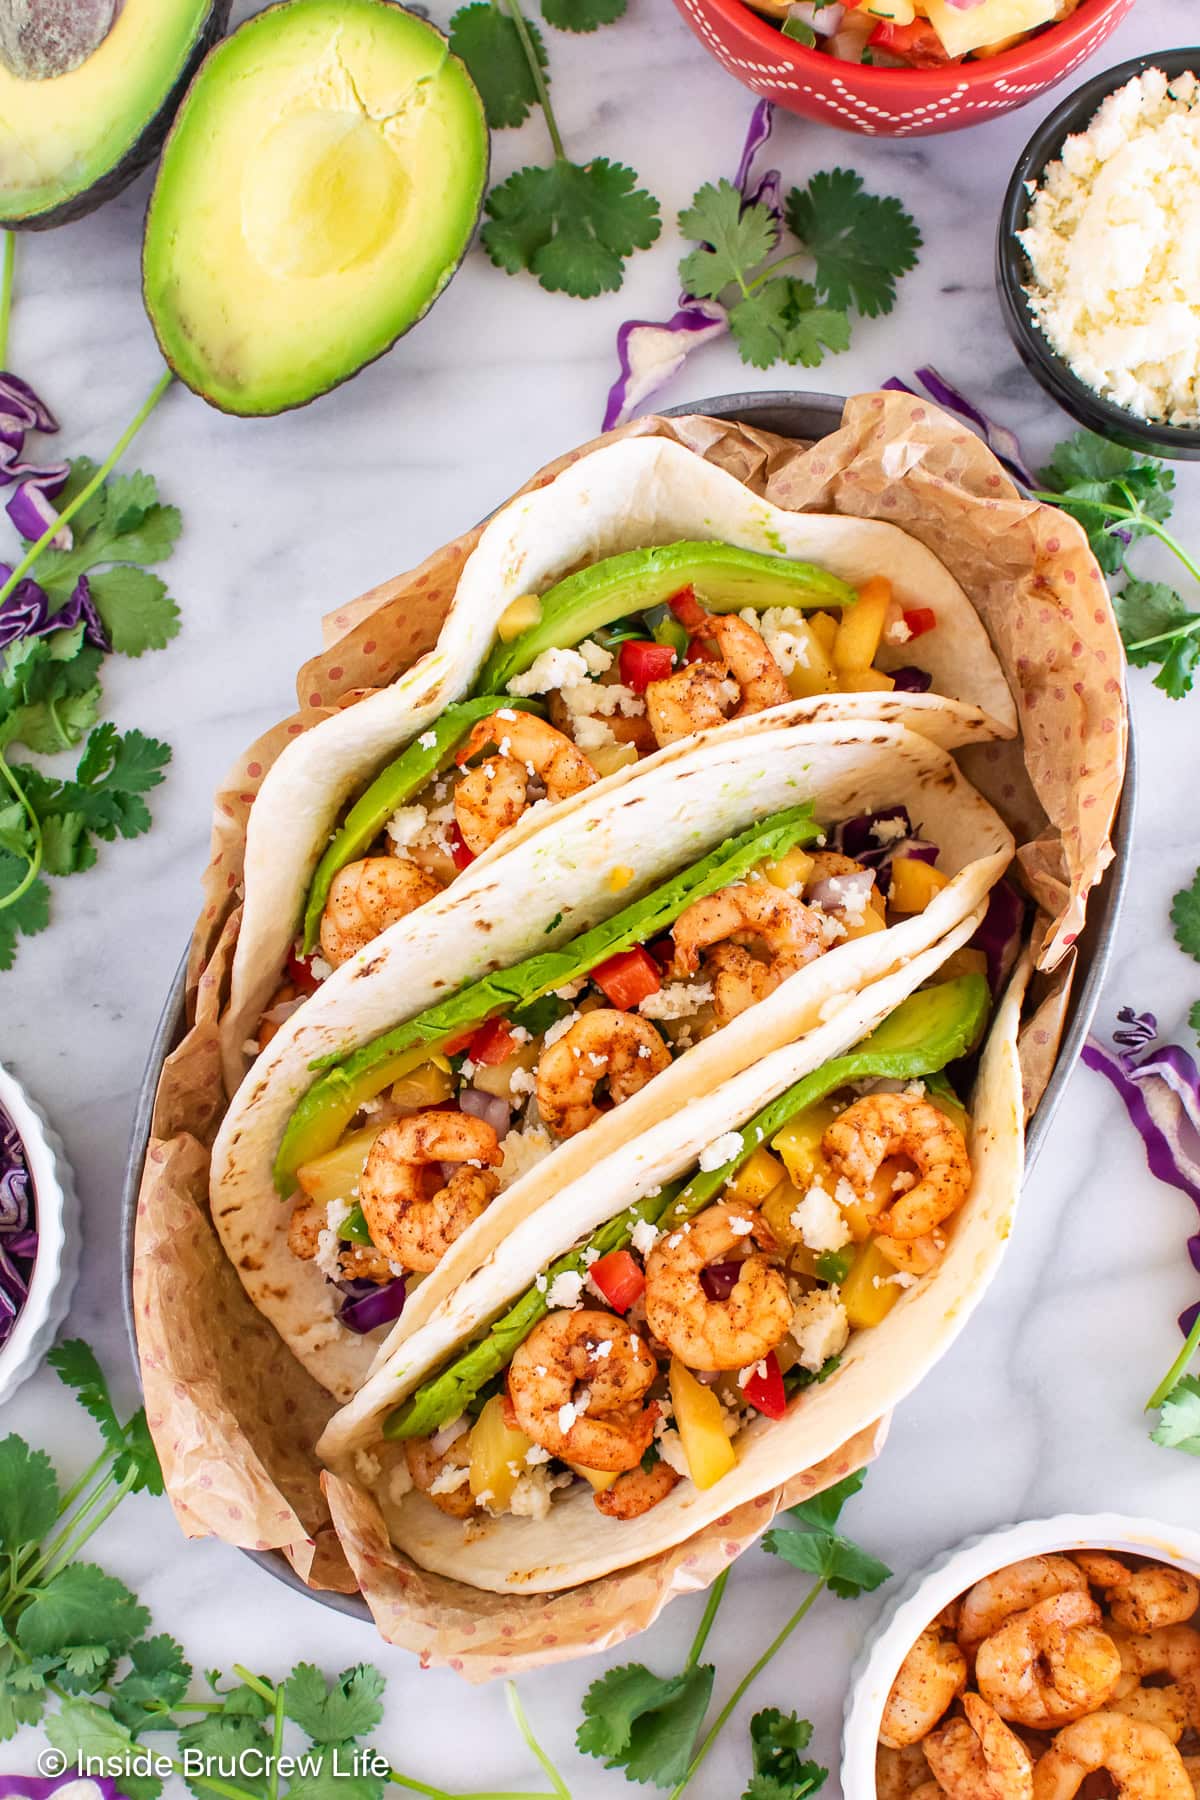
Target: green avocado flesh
[316, 194]
[79, 115]
[926, 1031]
[724, 577]
[329, 1105]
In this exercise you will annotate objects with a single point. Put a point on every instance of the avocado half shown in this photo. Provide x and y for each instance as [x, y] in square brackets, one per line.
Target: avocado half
[316, 193]
[87, 91]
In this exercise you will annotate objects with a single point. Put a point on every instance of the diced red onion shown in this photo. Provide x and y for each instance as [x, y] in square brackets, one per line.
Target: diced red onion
[824, 20]
[843, 893]
[441, 1440]
[720, 1279]
[488, 1107]
[379, 1307]
[911, 680]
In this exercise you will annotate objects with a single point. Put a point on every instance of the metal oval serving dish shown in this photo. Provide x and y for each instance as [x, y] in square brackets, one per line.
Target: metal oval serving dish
[803, 416]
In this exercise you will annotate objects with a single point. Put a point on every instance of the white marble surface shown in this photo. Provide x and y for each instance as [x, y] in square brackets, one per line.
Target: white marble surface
[1038, 1409]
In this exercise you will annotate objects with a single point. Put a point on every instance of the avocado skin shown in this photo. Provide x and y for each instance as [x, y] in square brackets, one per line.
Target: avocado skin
[340, 380]
[143, 150]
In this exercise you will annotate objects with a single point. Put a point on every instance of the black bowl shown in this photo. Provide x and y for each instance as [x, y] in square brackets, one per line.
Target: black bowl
[1013, 271]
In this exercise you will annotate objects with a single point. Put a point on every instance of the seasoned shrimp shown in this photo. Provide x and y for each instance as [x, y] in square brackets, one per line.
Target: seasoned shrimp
[719, 929]
[697, 697]
[604, 1045]
[1172, 1650]
[577, 1385]
[635, 1492]
[978, 1757]
[882, 1126]
[430, 1471]
[1142, 1599]
[1192, 1766]
[1011, 1590]
[748, 661]
[1143, 1763]
[1167, 1707]
[1049, 1664]
[717, 1334]
[930, 1679]
[412, 1214]
[356, 1262]
[489, 800]
[901, 1774]
[366, 897]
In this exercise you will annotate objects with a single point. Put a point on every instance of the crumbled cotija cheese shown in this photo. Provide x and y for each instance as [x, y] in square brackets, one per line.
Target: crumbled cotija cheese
[1114, 241]
[725, 1148]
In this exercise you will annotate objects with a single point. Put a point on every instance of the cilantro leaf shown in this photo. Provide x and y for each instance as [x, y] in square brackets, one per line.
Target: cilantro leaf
[490, 45]
[26, 916]
[781, 322]
[123, 522]
[75, 1364]
[848, 1570]
[643, 1723]
[1179, 1425]
[325, 1780]
[1090, 476]
[349, 1707]
[572, 224]
[776, 1740]
[824, 1510]
[733, 238]
[81, 1605]
[159, 1678]
[1194, 1017]
[104, 799]
[22, 1699]
[861, 242]
[49, 694]
[137, 611]
[228, 1734]
[1185, 917]
[1148, 610]
[28, 1493]
[582, 15]
[82, 1730]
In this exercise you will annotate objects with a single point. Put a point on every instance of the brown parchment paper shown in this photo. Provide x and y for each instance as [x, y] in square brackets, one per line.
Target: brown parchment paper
[233, 1414]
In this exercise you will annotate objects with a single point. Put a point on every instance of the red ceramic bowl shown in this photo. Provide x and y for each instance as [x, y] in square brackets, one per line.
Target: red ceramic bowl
[895, 102]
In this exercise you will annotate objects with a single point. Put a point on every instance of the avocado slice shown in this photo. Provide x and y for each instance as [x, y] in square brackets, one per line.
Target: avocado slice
[87, 91]
[327, 1108]
[725, 579]
[926, 1031]
[316, 193]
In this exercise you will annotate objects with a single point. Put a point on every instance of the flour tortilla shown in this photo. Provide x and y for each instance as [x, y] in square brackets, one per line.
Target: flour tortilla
[577, 1544]
[629, 495]
[545, 892]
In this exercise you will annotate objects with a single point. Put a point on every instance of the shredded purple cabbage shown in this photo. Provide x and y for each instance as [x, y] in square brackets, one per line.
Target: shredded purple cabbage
[37, 485]
[911, 680]
[649, 352]
[41, 1787]
[369, 1305]
[18, 1227]
[1003, 443]
[1001, 933]
[26, 612]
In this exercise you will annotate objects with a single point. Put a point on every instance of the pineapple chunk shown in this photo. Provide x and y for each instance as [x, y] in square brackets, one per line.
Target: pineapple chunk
[799, 1143]
[601, 1479]
[518, 616]
[865, 681]
[793, 869]
[427, 1085]
[868, 1292]
[814, 672]
[777, 1210]
[899, 12]
[606, 759]
[914, 884]
[496, 1079]
[335, 1175]
[497, 1455]
[982, 25]
[758, 1175]
[862, 626]
[824, 628]
[701, 1426]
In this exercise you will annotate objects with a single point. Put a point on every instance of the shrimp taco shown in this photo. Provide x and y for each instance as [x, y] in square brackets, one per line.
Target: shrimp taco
[589, 983]
[714, 1308]
[641, 597]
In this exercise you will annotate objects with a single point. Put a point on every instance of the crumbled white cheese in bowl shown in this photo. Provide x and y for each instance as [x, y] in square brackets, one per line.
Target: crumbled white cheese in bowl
[1112, 237]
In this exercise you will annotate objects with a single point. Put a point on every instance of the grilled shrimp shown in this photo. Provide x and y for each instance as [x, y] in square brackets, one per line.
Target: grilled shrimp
[1172, 1650]
[366, 897]
[412, 1214]
[1049, 1664]
[603, 1045]
[1144, 1599]
[744, 679]
[1143, 1763]
[1011, 1590]
[929, 1680]
[577, 1385]
[882, 1126]
[719, 928]
[635, 1492]
[1167, 1707]
[426, 1468]
[489, 800]
[900, 1774]
[978, 1758]
[717, 1334]
[356, 1262]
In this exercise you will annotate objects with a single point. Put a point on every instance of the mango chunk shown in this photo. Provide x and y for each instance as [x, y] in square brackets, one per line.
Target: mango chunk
[868, 1292]
[701, 1426]
[758, 1175]
[497, 1455]
[861, 628]
[914, 884]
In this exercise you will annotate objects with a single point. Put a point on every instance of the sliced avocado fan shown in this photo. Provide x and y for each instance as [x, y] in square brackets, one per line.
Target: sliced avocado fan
[316, 193]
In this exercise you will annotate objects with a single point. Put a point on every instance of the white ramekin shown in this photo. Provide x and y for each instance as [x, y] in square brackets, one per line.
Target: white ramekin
[56, 1266]
[924, 1595]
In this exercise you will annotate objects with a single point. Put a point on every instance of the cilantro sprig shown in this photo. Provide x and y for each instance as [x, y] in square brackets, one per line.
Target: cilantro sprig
[858, 243]
[1121, 498]
[647, 1725]
[573, 225]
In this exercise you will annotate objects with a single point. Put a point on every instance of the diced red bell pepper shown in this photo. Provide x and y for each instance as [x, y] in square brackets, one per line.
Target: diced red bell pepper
[453, 1045]
[687, 609]
[463, 858]
[663, 951]
[917, 44]
[299, 973]
[628, 978]
[493, 1043]
[699, 651]
[642, 662]
[919, 620]
[764, 1390]
[619, 1278]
